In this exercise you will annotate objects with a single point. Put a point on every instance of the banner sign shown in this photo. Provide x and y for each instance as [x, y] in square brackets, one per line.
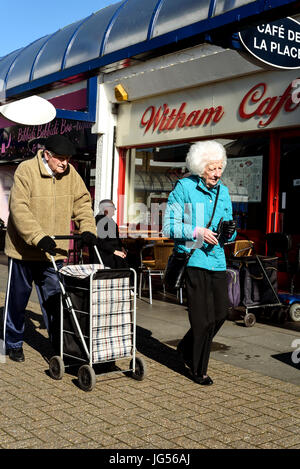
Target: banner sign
[22, 142]
[276, 44]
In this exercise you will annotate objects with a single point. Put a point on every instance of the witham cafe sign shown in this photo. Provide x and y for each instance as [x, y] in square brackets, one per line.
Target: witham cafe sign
[276, 44]
[262, 101]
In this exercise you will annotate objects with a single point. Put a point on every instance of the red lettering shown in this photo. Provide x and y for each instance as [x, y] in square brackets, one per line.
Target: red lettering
[192, 118]
[253, 96]
[219, 113]
[170, 119]
[266, 107]
[155, 117]
[208, 114]
[290, 105]
[164, 119]
[179, 117]
[278, 106]
[269, 107]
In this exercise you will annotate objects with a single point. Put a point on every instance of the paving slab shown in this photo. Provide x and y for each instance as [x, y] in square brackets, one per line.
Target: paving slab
[252, 404]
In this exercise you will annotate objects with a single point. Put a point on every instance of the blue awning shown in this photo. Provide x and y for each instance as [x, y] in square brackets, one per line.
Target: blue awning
[123, 30]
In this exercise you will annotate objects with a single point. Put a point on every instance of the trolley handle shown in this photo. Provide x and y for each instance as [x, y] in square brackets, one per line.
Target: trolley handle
[78, 237]
[73, 236]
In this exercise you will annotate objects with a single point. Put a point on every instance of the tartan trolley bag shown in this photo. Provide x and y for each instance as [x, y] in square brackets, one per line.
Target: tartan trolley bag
[97, 322]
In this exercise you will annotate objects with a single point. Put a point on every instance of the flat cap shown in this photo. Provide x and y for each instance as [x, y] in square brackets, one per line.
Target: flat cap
[60, 145]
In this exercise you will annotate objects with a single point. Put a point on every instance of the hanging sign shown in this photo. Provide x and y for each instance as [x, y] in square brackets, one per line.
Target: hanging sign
[276, 43]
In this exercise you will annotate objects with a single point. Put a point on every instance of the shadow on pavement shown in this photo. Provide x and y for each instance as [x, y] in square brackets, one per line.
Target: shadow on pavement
[32, 336]
[35, 339]
[158, 351]
[288, 359]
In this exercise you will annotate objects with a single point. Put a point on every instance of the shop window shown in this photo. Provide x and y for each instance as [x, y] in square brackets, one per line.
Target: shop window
[154, 174]
[245, 177]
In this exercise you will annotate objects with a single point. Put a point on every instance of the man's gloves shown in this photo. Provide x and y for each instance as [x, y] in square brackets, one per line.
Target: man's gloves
[88, 239]
[47, 244]
[228, 228]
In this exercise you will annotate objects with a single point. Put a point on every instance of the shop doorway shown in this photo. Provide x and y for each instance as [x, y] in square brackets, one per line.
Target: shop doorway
[289, 185]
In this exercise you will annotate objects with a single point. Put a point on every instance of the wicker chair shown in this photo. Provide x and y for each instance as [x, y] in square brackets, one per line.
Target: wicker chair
[239, 248]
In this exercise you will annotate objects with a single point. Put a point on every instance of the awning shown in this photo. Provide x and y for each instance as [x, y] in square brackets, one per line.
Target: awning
[124, 30]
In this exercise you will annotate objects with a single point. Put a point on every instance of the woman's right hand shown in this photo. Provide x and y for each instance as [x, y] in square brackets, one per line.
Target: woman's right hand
[205, 234]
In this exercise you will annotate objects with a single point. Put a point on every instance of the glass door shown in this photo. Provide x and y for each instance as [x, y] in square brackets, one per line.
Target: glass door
[289, 185]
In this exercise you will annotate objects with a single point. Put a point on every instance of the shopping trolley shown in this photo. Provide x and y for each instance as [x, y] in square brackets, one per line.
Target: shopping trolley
[97, 321]
[257, 276]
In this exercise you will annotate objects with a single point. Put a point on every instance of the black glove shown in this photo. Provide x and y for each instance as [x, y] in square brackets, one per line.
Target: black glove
[228, 228]
[88, 239]
[47, 244]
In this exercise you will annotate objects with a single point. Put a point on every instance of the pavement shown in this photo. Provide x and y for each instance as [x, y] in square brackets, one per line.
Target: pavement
[253, 403]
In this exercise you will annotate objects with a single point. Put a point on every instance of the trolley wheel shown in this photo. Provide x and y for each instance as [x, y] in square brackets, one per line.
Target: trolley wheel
[249, 319]
[294, 312]
[140, 370]
[86, 378]
[281, 316]
[56, 367]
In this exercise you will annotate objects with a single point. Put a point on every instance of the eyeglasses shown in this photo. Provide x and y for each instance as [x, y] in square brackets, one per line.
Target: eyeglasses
[58, 157]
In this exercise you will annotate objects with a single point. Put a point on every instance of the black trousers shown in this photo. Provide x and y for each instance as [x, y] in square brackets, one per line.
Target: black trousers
[207, 297]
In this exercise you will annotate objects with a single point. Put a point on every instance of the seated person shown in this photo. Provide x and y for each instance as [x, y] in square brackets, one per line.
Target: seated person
[109, 244]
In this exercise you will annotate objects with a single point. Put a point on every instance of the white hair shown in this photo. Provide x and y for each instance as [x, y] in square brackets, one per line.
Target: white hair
[202, 153]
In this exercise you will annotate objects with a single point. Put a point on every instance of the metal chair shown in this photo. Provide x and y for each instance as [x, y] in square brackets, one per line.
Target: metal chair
[154, 266]
[239, 248]
[243, 247]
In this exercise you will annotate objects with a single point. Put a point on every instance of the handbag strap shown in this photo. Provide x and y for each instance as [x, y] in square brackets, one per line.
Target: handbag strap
[211, 218]
[214, 209]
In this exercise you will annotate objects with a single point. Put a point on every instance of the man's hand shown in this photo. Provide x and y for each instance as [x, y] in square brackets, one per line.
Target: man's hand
[88, 239]
[47, 244]
[120, 254]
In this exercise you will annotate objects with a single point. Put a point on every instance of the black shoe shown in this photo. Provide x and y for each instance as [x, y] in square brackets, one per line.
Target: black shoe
[16, 354]
[207, 381]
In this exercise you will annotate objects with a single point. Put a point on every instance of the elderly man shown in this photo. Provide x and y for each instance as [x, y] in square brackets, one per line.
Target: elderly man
[47, 193]
[109, 243]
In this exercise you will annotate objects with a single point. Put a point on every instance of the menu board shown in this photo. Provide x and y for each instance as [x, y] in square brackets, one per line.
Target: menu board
[243, 177]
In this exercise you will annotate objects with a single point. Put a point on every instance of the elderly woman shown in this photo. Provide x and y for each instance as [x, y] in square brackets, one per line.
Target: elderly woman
[196, 208]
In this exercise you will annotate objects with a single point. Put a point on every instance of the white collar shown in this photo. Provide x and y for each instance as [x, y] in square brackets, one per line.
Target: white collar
[49, 170]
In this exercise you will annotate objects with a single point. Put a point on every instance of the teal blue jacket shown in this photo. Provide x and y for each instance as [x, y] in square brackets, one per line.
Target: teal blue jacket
[190, 205]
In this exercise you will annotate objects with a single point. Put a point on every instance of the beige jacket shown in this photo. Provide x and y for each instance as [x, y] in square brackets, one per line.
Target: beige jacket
[43, 205]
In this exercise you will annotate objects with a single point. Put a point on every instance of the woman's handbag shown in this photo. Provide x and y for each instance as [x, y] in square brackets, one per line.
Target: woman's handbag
[173, 275]
[177, 262]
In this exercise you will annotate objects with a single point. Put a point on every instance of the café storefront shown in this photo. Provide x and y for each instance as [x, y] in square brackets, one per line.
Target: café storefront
[256, 117]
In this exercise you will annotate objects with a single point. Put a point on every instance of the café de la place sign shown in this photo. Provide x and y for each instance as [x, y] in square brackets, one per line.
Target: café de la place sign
[276, 44]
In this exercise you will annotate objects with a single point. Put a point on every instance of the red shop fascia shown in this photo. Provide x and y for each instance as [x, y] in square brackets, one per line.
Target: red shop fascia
[260, 109]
